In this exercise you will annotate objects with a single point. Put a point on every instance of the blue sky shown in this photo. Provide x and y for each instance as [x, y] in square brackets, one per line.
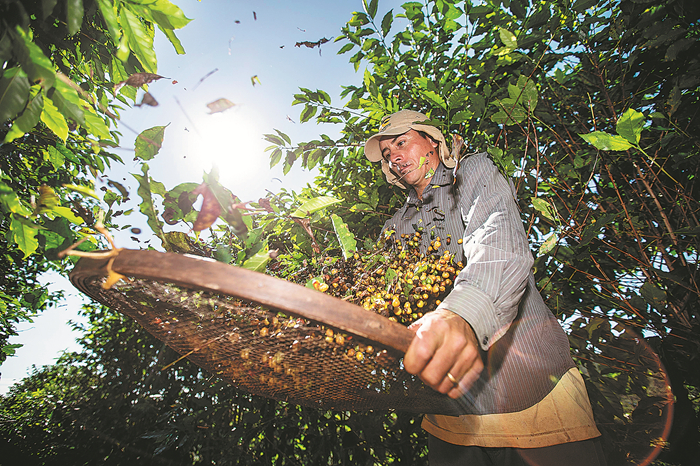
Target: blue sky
[239, 39]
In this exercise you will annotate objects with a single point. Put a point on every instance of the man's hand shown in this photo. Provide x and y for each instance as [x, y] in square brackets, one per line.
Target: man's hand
[444, 344]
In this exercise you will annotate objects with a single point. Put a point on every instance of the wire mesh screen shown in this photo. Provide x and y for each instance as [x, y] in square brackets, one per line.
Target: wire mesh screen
[274, 353]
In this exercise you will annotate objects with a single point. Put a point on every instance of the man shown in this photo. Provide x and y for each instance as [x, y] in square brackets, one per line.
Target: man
[492, 344]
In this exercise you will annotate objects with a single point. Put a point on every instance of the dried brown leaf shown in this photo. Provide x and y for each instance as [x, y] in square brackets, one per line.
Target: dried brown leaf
[220, 105]
[138, 80]
[149, 100]
[210, 210]
[310, 44]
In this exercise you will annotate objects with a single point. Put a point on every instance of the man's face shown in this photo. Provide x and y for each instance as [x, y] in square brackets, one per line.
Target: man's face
[412, 156]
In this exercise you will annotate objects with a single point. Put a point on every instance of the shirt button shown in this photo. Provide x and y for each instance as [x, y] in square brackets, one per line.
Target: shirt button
[485, 341]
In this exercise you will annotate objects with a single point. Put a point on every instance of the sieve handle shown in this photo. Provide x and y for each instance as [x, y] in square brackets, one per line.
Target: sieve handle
[274, 293]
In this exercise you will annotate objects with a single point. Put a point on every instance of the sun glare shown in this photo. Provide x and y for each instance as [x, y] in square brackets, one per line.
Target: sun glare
[233, 143]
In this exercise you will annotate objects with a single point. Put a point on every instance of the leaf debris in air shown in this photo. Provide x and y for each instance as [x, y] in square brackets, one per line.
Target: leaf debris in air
[220, 105]
[137, 80]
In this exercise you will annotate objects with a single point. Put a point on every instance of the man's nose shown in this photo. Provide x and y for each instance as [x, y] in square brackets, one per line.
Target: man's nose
[395, 157]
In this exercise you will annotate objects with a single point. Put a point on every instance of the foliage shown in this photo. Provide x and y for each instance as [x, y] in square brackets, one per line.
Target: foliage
[62, 62]
[590, 106]
[115, 404]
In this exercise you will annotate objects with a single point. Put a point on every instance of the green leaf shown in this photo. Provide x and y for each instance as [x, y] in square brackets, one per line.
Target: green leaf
[38, 67]
[508, 38]
[14, 92]
[284, 136]
[654, 295]
[10, 201]
[548, 245]
[308, 113]
[170, 34]
[67, 101]
[149, 142]
[109, 15]
[82, 190]
[390, 276]
[604, 141]
[30, 116]
[140, 40]
[543, 207]
[47, 7]
[74, 15]
[67, 213]
[96, 125]
[346, 48]
[461, 117]
[387, 21]
[258, 262]
[458, 98]
[10, 349]
[630, 125]
[54, 120]
[146, 206]
[274, 139]
[594, 228]
[345, 237]
[371, 9]
[162, 12]
[435, 98]
[529, 94]
[510, 112]
[314, 205]
[54, 156]
[24, 235]
[275, 157]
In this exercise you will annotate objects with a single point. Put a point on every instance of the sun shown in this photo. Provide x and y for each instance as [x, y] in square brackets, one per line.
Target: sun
[231, 141]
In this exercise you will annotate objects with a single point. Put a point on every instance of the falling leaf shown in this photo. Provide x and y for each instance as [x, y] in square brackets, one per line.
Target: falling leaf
[290, 119]
[220, 105]
[210, 210]
[205, 77]
[174, 81]
[311, 45]
[255, 79]
[138, 80]
[302, 30]
[237, 22]
[149, 100]
[119, 187]
[255, 16]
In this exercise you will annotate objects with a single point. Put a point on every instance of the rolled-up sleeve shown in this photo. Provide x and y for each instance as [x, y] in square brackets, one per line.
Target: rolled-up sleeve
[498, 260]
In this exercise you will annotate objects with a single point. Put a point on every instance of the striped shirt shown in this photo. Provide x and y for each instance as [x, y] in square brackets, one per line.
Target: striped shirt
[524, 348]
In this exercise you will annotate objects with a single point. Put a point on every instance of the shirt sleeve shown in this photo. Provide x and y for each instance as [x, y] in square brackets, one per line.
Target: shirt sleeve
[498, 261]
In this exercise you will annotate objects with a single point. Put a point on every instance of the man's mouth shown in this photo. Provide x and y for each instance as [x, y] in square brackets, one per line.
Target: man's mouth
[404, 168]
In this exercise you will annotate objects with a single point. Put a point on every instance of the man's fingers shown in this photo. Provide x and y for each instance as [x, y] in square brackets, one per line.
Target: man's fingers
[467, 380]
[421, 351]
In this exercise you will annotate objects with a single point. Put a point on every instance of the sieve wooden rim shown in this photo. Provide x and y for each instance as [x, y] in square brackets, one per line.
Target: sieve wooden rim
[274, 293]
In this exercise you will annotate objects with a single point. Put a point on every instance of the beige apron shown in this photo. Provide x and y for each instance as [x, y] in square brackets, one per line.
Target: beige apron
[564, 415]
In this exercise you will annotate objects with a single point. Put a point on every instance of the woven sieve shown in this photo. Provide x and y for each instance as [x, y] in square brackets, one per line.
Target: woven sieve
[264, 335]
